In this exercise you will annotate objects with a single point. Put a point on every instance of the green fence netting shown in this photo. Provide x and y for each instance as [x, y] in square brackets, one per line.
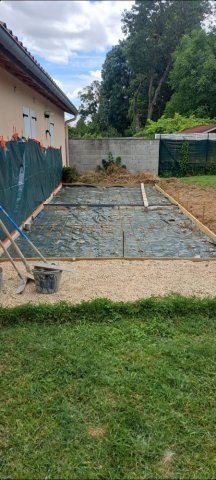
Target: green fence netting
[28, 175]
[201, 157]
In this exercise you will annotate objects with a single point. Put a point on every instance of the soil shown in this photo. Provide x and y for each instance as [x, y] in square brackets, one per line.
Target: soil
[97, 431]
[200, 201]
[119, 280]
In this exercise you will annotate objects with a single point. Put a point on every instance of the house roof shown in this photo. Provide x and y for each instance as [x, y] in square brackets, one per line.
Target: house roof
[200, 129]
[16, 59]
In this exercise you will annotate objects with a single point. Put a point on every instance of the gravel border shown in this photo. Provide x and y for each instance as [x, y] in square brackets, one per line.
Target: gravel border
[119, 280]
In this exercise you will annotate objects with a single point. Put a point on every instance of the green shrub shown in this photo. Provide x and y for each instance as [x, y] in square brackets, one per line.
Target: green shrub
[167, 174]
[211, 169]
[69, 174]
[184, 162]
[109, 163]
[171, 125]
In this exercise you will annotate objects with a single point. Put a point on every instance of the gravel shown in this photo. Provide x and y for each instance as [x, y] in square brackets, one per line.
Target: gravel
[119, 280]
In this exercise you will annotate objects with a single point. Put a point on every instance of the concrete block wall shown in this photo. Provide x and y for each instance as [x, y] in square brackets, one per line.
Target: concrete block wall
[137, 154]
[185, 136]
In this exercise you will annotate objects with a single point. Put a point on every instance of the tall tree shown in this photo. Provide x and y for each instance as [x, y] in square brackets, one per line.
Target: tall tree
[153, 30]
[90, 97]
[114, 100]
[193, 76]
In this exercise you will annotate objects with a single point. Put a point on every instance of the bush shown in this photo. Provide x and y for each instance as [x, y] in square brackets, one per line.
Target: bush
[69, 174]
[171, 125]
[211, 169]
[107, 165]
[184, 163]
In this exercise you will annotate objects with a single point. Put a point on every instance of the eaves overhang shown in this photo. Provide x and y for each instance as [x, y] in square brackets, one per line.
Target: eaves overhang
[16, 59]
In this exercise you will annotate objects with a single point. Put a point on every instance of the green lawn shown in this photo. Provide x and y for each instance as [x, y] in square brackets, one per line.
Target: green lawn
[109, 391]
[202, 180]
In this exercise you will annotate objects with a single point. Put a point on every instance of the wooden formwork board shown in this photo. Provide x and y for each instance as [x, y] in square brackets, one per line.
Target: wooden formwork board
[195, 220]
[125, 259]
[15, 234]
[144, 196]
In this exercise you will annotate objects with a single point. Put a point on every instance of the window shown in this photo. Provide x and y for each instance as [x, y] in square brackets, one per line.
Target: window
[29, 119]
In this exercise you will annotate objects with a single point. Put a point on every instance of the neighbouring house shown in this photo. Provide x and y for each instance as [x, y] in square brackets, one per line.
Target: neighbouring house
[31, 103]
[211, 128]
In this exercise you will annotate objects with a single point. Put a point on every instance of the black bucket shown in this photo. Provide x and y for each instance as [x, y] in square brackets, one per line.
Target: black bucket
[1, 278]
[46, 281]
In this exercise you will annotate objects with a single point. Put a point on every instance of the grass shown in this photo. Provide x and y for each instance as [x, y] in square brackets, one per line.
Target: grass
[108, 391]
[202, 180]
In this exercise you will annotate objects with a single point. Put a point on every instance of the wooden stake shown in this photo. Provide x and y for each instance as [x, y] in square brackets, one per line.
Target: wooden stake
[123, 243]
[203, 214]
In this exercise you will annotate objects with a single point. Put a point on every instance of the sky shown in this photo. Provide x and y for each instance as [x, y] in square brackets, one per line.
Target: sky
[70, 38]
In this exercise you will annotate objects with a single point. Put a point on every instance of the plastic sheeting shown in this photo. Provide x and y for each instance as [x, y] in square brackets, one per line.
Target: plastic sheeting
[28, 175]
[202, 156]
[92, 230]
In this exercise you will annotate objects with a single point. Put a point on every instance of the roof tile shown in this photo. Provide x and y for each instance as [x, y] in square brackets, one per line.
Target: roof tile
[199, 128]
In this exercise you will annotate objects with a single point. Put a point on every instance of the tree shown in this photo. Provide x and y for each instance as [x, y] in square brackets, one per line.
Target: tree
[90, 97]
[80, 130]
[177, 123]
[114, 99]
[193, 76]
[153, 30]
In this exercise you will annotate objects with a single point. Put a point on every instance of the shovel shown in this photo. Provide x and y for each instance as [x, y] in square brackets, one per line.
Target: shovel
[17, 249]
[23, 279]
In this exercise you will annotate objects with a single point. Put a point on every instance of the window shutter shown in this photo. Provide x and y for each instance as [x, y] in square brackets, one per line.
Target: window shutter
[26, 121]
[51, 130]
[33, 120]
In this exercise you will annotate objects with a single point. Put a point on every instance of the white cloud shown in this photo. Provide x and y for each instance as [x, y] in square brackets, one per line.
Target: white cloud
[73, 86]
[74, 95]
[73, 34]
[57, 30]
[95, 74]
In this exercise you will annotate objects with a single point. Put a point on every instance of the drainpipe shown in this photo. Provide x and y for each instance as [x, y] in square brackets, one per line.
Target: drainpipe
[66, 139]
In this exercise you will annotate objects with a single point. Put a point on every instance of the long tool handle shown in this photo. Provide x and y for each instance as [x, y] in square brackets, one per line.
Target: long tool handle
[5, 230]
[11, 259]
[22, 234]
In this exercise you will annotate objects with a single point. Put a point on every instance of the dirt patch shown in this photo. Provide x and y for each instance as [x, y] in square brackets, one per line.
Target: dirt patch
[97, 431]
[118, 176]
[200, 201]
[119, 280]
[167, 464]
